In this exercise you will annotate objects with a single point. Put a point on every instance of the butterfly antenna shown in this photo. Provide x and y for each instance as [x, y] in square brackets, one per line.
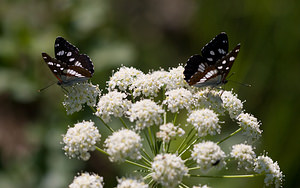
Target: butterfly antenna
[40, 90]
[243, 84]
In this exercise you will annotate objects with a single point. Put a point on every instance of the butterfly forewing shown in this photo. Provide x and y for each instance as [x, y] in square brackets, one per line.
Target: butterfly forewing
[216, 48]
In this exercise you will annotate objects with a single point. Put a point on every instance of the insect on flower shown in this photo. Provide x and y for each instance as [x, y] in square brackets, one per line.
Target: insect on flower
[213, 66]
[69, 66]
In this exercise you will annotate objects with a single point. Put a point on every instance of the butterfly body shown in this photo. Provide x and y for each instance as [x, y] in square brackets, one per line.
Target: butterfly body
[69, 66]
[212, 68]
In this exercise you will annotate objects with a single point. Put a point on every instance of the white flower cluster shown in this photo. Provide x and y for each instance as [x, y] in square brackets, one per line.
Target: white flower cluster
[169, 131]
[78, 95]
[250, 125]
[208, 154]
[244, 154]
[123, 144]
[201, 186]
[176, 79]
[114, 103]
[168, 170]
[86, 180]
[205, 122]
[123, 78]
[209, 98]
[81, 139]
[265, 164]
[178, 99]
[146, 113]
[232, 104]
[149, 84]
[131, 183]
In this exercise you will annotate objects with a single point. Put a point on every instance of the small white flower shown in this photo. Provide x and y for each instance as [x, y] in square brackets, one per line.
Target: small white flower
[123, 144]
[146, 113]
[209, 98]
[201, 186]
[131, 183]
[81, 139]
[176, 79]
[178, 99]
[208, 154]
[232, 104]
[168, 170]
[114, 104]
[123, 78]
[265, 164]
[244, 154]
[250, 125]
[78, 95]
[205, 122]
[86, 180]
[168, 131]
[149, 84]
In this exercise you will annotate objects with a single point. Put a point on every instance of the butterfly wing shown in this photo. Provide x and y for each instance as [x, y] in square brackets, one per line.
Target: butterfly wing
[224, 65]
[57, 67]
[216, 49]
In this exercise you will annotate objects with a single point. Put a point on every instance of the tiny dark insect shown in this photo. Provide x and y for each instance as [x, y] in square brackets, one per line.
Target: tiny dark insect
[213, 66]
[216, 163]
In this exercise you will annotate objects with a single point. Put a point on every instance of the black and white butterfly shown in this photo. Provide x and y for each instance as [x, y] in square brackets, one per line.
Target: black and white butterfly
[69, 66]
[213, 66]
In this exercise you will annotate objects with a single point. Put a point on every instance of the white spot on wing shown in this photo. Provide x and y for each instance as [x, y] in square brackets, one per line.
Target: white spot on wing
[231, 58]
[212, 52]
[58, 65]
[209, 59]
[60, 53]
[78, 64]
[69, 53]
[224, 62]
[71, 59]
[50, 63]
[220, 67]
[227, 68]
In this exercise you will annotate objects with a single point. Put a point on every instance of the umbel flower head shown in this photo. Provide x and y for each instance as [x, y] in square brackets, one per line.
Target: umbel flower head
[168, 170]
[131, 183]
[86, 180]
[114, 103]
[151, 109]
[123, 144]
[145, 113]
[78, 95]
[81, 139]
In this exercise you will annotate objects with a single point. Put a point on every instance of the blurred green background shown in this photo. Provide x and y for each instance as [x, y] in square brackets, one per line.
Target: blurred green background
[146, 34]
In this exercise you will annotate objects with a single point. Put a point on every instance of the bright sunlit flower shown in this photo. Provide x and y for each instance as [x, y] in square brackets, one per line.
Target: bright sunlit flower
[168, 170]
[168, 131]
[205, 122]
[78, 95]
[250, 125]
[176, 79]
[145, 113]
[201, 186]
[208, 154]
[209, 98]
[81, 139]
[178, 99]
[244, 154]
[265, 164]
[123, 144]
[232, 104]
[123, 78]
[86, 180]
[131, 183]
[114, 104]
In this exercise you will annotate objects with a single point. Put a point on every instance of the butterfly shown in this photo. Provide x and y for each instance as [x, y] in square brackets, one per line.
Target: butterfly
[213, 66]
[69, 66]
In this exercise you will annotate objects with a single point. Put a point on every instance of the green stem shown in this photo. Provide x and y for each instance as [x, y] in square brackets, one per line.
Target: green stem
[151, 140]
[188, 146]
[175, 118]
[137, 164]
[102, 151]
[183, 141]
[235, 132]
[227, 176]
[183, 185]
[123, 122]
[107, 126]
